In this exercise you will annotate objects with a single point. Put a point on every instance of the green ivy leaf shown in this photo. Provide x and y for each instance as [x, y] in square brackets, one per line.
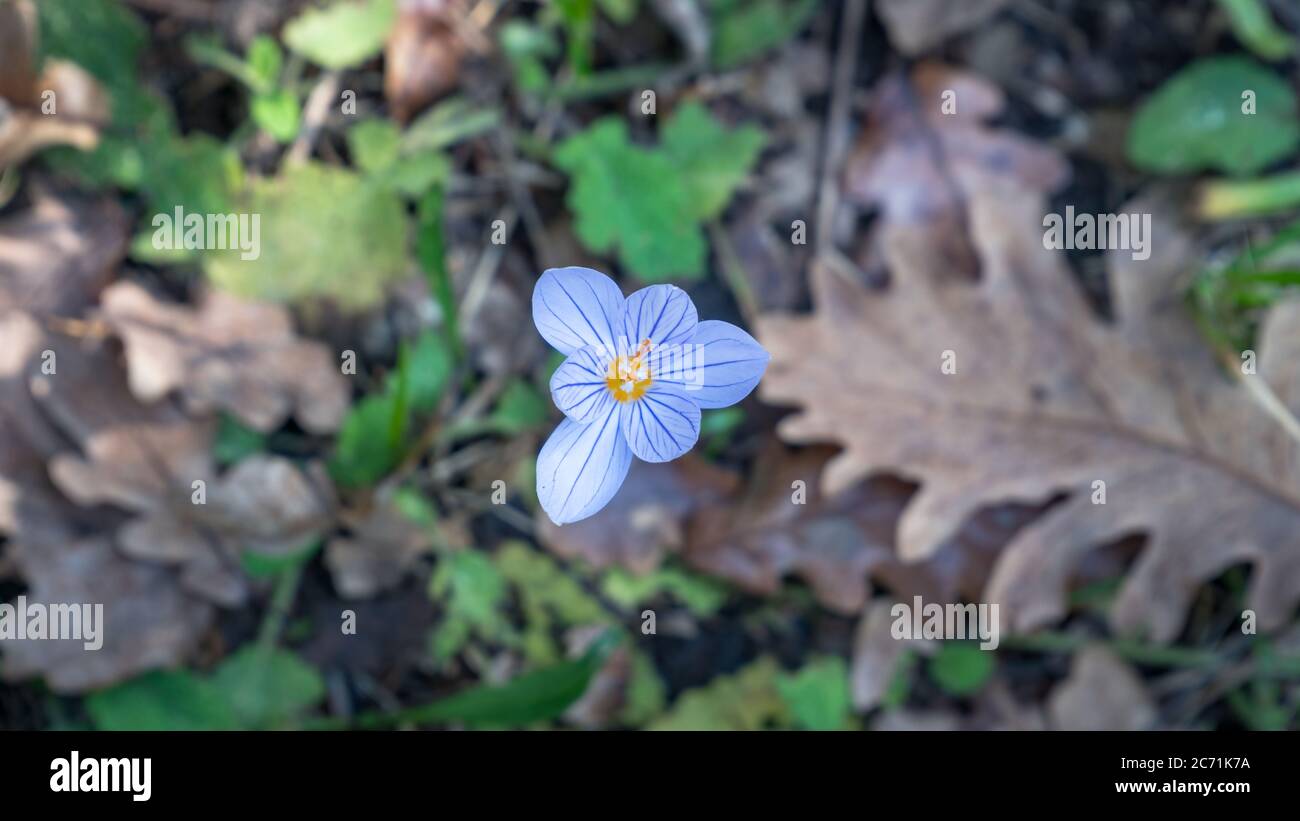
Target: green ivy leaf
[343, 34]
[325, 232]
[1195, 120]
[961, 668]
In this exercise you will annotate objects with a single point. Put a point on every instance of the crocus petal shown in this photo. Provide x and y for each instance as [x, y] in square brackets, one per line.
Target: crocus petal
[578, 386]
[726, 365]
[661, 425]
[664, 314]
[581, 467]
[575, 307]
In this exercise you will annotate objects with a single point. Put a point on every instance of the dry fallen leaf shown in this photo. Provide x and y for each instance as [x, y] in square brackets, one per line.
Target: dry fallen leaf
[154, 621]
[644, 521]
[917, 25]
[385, 545]
[838, 543]
[876, 654]
[1046, 400]
[148, 620]
[229, 354]
[57, 254]
[422, 58]
[1101, 693]
[919, 163]
[144, 460]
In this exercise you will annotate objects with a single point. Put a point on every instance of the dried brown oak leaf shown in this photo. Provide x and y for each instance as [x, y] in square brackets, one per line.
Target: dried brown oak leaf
[229, 354]
[26, 125]
[921, 155]
[1046, 400]
[384, 545]
[57, 255]
[151, 621]
[1101, 693]
[781, 523]
[145, 459]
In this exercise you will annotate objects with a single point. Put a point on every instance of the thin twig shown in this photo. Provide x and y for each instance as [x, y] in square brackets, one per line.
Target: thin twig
[836, 138]
[315, 113]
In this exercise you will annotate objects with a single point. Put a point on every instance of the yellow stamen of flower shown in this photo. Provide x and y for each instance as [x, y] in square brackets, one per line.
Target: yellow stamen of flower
[628, 377]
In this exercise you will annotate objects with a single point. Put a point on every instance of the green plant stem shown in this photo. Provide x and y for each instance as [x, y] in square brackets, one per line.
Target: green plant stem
[615, 81]
[1130, 649]
[1224, 199]
[286, 589]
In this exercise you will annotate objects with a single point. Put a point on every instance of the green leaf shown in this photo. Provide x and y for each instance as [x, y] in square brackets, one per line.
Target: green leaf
[710, 160]
[743, 31]
[702, 596]
[1196, 122]
[547, 596]
[363, 454]
[264, 61]
[235, 441]
[374, 144]
[470, 585]
[446, 124]
[1253, 24]
[632, 201]
[277, 113]
[102, 36]
[620, 11]
[266, 687]
[745, 700]
[526, 699]
[430, 367]
[415, 506]
[961, 668]
[162, 700]
[645, 695]
[343, 34]
[519, 409]
[900, 683]
[527, 47]
[818, 695]
[472, 591]
[324, 232]
[377, 149]
[198, 174]
[268, 566]
[431, 251]
[649, 204]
